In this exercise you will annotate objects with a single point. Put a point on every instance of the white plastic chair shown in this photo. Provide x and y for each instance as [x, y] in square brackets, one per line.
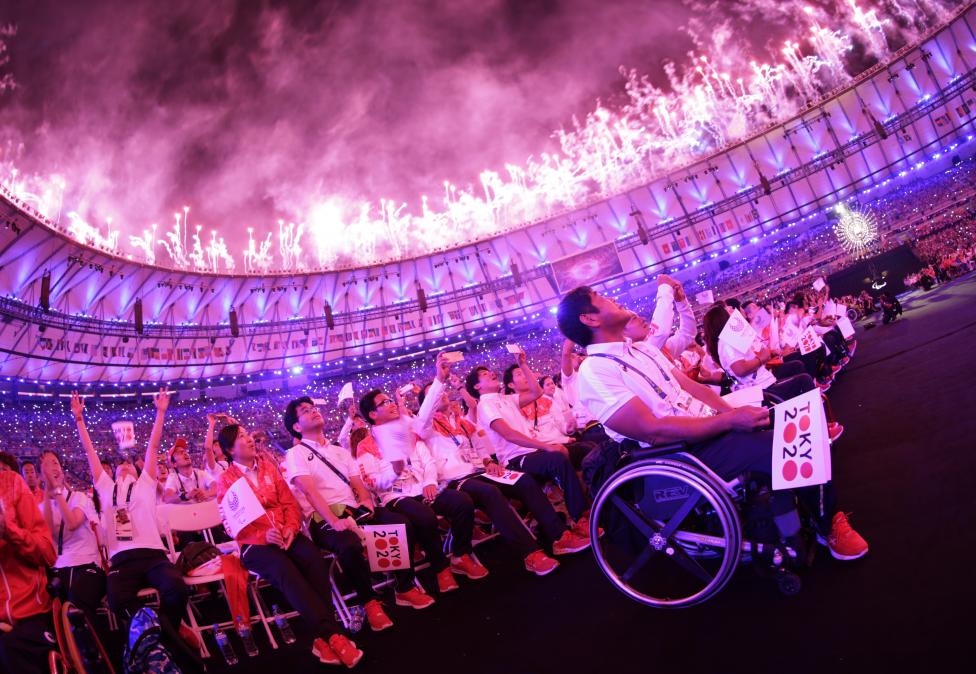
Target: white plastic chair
[201, 517]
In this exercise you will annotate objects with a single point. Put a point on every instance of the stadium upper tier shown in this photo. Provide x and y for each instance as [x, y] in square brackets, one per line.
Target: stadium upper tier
[113, 319]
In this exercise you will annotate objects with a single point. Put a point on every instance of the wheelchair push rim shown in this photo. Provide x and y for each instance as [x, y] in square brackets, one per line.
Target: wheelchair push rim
[643, 546]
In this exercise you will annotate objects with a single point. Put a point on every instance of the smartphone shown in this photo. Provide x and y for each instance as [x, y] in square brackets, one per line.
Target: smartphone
[453, 356]
[405, 389]
[514, 349]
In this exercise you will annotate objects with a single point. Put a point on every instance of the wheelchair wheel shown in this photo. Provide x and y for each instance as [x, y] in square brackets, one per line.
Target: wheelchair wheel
[672, 536]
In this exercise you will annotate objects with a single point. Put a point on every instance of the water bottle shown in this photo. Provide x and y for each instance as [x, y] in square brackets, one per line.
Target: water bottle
[287, 635]
[358, 616]
[244, 631]
[226, 649]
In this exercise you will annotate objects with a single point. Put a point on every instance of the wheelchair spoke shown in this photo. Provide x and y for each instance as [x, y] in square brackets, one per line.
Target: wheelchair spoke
[679, 517]
[684, 560]
[643, 558]
[637, 518]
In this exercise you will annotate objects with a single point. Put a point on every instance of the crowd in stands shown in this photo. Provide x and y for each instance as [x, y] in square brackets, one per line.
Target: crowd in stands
[442, 443]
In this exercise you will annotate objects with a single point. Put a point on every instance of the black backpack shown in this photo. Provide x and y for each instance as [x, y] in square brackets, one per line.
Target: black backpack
[196, 554]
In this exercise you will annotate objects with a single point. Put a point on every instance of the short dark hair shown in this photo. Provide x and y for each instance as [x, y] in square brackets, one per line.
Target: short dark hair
[793, 303]
[574, 303]
[45, 452]
[542, 380]
[472, 380]
[27, 462]
[508, 378]
[291, 415]
[367, 404]
[227, 437]
[747, 303]
[734, 303]
[10, 461]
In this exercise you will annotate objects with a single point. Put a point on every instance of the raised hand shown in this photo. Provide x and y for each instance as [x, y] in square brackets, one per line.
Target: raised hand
[77, 406]
[162, 400]
[442, 367]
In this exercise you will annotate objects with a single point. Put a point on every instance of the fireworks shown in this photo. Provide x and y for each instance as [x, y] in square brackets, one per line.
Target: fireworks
[856, 230]
[717, 98]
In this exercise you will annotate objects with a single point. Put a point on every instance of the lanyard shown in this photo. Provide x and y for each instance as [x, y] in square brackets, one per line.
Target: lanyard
[67, 501]
[179, 478]
[448, 433]
[128, 495]
[327, 463]
[626, 367]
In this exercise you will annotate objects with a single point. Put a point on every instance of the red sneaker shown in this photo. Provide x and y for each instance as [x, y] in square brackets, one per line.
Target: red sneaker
[540, 563]
[570, 542]
[346, 649]
[466, 565]
[376, 616]
[445, 581]
[414, 598]
[844, 542]
[324, 653]
[834, 430]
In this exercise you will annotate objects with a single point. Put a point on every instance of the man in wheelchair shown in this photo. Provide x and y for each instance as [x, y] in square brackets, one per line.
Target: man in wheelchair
[641, 396]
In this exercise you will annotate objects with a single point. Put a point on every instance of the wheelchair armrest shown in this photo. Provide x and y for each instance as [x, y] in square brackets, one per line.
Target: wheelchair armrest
[634, 452]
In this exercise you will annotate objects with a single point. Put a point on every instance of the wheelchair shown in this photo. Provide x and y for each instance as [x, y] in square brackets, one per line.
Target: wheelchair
[667, 531]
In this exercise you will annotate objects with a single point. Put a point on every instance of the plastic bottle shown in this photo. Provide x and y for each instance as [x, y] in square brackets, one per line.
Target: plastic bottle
[244, 631]
[226, 648]
[287, 634]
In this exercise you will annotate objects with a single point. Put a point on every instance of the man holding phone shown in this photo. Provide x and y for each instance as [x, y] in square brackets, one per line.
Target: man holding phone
[405, 479]
[328, 477]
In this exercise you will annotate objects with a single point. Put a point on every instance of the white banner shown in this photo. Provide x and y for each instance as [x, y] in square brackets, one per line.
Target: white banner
[386, 547]
[801, 446]
[239, 507]
[738, 334]
[774, 334]
[809, 341]
[846, 327]
[705, 297]
[345, 393]
[508, 477]
[125, 434]
[819, 284]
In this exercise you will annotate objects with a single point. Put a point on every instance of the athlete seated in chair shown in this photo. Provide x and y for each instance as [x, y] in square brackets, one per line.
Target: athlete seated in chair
[186, 484]
[136, 551]
[329, 479]
[639, 394]
[403, 475]
[461, 468]
[70, 516]
[274, 547]
[511, 437]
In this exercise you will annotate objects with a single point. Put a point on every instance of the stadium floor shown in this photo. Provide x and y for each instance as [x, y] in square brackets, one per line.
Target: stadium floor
[904, 469]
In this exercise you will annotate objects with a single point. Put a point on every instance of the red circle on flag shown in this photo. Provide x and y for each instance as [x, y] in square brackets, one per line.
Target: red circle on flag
[394, 541]
[380, 544]
[806, 470]
[396, 562]
[789, 471]
[804, 423]
[789, 433]
[383, 563]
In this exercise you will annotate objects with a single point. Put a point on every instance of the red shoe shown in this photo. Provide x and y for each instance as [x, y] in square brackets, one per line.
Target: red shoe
[376, 616]
[414, 598]
[324, 653]
[569, 543]
[844, 542]
[834, 430]
[540, 563]
[582, 527]
[445, 581]
[346, 649]
[189, 636]
[466, 565]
